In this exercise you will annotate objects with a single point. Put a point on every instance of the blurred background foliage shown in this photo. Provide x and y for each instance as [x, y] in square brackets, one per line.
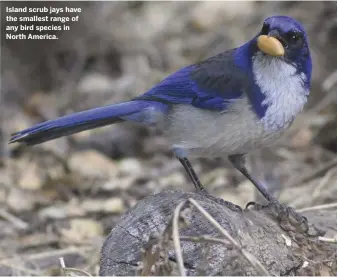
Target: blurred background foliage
[65, 195]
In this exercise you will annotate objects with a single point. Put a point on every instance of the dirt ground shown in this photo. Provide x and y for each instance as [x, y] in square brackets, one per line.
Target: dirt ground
[62, 198]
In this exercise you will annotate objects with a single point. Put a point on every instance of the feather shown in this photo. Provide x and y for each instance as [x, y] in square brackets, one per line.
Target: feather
[213, 84]
[140, 111]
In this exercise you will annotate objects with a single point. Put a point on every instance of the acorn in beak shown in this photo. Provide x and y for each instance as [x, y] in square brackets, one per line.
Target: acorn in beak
[270, 45]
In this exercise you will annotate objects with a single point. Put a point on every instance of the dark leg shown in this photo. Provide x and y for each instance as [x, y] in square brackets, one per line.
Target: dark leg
[288, 218]
[238, 162]
[192, 174]
[199, 187]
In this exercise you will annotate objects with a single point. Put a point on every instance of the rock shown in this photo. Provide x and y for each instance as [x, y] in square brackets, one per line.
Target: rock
[81, 230]
[92, 205]
[75, 209]
[59, 147]
[92, 164]
[55, 212]
[20, 201]
[147, 227]
[99, 83]
[175, 179]
[56, 172]
[130, 166]
[31, 178]
[122, 183]
[111, 205]
[59, 211]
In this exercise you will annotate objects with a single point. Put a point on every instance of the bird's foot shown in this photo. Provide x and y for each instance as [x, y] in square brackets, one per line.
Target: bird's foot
[220, 201]
[289, 220]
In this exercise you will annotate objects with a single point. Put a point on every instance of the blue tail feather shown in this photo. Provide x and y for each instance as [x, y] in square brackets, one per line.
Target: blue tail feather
[81, 121]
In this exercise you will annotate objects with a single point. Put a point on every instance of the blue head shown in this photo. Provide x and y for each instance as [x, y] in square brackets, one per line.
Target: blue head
[293, 40]
[279, 59]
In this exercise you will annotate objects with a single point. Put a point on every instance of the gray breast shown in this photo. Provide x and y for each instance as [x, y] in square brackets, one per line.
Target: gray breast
[214, 134]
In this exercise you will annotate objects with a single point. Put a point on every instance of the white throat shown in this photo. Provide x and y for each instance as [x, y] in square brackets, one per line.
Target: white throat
[283, 89]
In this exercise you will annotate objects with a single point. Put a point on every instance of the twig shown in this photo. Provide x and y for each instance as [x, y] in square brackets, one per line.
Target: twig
[319, 207]
[330, 81]
[58, 252]
[17, 222]
[330, 240]
[66, 270]
[248, 256]
[75, 270]
[323, 182]
[176, 237]
[313, 174]
[149, 259]
[63, 265]
[46, 254]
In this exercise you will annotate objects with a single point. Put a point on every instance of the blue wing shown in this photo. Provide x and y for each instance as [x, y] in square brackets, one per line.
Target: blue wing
[211, 84]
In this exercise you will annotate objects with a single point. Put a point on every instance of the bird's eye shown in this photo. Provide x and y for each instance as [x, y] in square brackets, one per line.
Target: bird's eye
[265, 29]
[294, 37]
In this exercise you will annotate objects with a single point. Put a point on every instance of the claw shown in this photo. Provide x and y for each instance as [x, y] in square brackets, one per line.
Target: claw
[255, 205]
[250, 204]
[288, 218]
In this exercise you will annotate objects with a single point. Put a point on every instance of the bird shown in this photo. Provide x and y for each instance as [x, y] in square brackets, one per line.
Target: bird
[227, 105]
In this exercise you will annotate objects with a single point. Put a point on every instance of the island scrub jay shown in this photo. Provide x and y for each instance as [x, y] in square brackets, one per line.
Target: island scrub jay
[227, 105]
